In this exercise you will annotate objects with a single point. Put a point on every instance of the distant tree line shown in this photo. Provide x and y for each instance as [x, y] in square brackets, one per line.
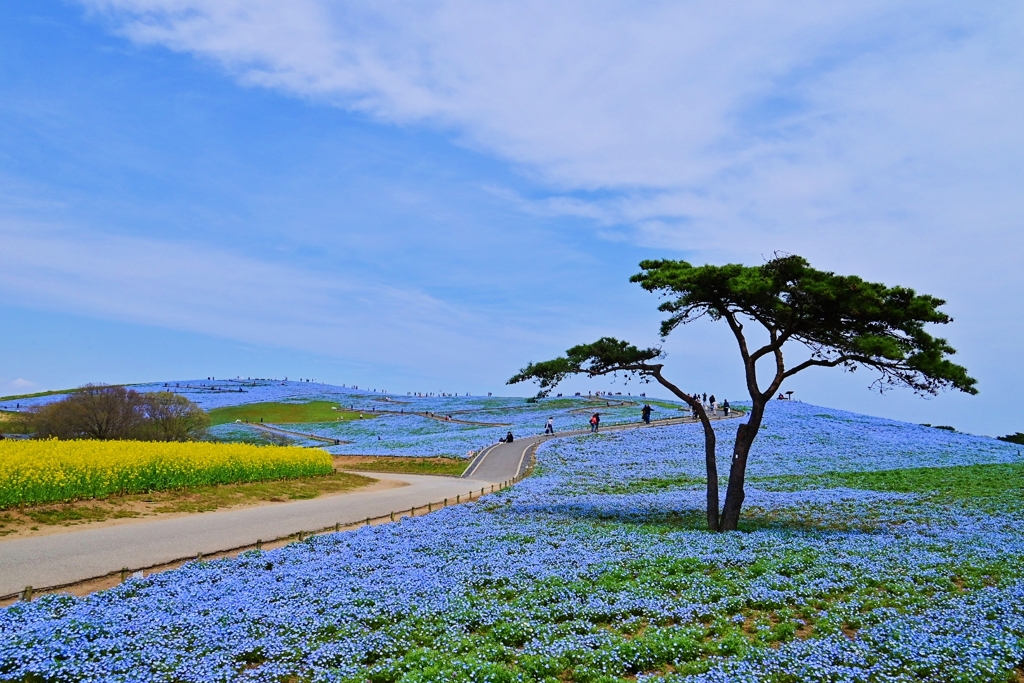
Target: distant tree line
[101, 412]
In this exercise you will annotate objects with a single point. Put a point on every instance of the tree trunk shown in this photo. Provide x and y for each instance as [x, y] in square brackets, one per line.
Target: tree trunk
[711, 466]
[735, 494]
[710, 462]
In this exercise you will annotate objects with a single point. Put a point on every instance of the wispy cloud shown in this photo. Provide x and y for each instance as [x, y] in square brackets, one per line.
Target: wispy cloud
[213, 291]
[698, 126]
[881, 138]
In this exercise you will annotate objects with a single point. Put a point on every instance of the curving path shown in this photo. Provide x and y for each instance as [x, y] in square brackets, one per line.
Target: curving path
[444, 417]
[287, 432]
[504, 461]
[64, 558]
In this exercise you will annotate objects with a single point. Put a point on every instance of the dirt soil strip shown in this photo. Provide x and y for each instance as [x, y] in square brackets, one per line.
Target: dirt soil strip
[63, 559]
[87, 586]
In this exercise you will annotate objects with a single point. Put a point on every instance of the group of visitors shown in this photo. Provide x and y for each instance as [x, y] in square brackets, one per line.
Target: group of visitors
[711, 404]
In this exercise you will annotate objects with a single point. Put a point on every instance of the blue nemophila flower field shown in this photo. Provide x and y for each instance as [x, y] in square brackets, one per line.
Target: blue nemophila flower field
[596, 569]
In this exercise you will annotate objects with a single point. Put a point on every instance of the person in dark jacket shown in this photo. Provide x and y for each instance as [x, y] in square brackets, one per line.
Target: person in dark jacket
[508, 438]
[646, 412]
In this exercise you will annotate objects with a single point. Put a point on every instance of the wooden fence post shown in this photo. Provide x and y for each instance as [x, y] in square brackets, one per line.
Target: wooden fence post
[26, 594]
[259, 544]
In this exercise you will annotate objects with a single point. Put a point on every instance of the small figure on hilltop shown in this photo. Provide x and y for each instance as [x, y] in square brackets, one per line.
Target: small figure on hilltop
[646, 412]
[549, 428]
[595, 421]
[725, 407]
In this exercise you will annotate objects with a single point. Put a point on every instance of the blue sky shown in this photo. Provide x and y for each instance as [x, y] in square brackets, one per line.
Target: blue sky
[425, 196]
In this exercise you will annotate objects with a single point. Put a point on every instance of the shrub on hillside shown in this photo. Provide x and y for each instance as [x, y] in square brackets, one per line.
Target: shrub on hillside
[166, 416]
[1017, 438]
[96, 412]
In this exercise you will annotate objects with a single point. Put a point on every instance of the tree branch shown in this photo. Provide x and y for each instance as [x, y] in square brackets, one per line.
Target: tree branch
[826, 363]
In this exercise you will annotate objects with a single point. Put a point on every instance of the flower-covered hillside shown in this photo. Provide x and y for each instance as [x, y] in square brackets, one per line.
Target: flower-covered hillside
[392, 429]
[392, 434]
[795, 439]
[595, 569]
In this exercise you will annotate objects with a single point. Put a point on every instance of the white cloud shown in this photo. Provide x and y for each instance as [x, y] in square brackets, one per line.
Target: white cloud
[747, 121]
[881, 138]
[226, 294]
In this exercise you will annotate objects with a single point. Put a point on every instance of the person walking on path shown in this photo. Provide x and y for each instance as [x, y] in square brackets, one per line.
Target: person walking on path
[595, 421]
[714, 405]
[549, 428]
[646, 412]
[725, 407]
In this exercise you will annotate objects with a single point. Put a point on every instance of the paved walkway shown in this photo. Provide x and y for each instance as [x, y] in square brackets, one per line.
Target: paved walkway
[287, 432]
[504, 461]
[64, 558]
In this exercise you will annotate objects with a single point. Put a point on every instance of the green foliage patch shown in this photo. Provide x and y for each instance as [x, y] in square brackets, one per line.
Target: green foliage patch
[285, 413]
[989, 487]
[650, 484]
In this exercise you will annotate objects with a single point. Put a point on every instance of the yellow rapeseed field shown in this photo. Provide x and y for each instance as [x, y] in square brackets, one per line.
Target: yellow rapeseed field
[50, 470]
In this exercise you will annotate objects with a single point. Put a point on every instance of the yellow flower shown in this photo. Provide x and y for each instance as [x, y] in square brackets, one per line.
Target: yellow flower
[52, 470]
